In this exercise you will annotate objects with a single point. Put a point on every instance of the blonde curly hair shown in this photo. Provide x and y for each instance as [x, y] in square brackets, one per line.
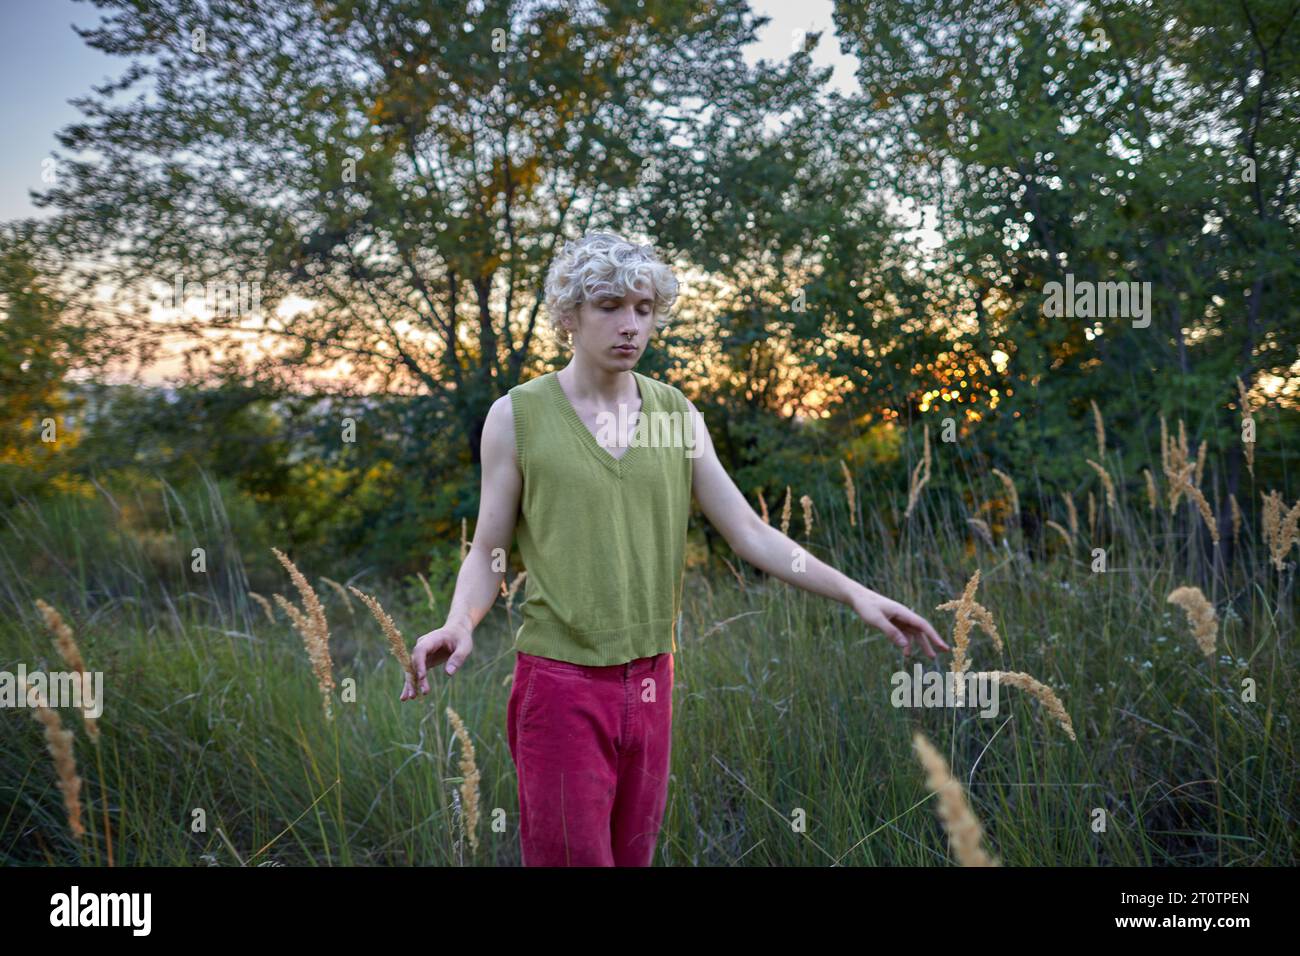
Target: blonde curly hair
[601, 264]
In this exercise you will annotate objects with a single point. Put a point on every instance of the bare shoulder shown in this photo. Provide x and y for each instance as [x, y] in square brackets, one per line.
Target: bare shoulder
[503, 409]
[694, 412]
[499, 431]
[502, 481]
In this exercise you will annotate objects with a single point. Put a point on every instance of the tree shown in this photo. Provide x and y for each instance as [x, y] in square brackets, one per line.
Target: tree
[1112, 141]
[37, 347]
[408, 167]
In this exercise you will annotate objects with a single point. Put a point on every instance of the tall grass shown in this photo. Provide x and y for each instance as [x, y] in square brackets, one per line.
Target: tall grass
[786, 749]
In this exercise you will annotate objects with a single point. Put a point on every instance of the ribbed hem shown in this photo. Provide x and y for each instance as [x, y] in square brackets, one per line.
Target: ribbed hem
[599, 648]
[521, 430]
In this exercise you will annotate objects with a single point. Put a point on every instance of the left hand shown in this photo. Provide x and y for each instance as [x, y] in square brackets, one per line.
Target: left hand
[902, 626]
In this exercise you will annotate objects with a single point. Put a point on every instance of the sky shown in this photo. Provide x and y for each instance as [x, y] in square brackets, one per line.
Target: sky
[44, 64]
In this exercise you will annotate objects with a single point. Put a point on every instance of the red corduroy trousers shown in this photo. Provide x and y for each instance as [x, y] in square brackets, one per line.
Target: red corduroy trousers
[591, 747]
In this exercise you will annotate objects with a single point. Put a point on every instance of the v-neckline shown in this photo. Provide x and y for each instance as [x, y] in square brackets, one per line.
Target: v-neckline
[616, 465]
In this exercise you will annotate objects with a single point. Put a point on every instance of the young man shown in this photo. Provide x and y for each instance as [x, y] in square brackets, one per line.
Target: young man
[594, 467]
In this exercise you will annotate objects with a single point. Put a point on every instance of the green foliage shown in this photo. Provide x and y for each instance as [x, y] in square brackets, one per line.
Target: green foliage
[210, 705]
[37, 347]
[1115, 142]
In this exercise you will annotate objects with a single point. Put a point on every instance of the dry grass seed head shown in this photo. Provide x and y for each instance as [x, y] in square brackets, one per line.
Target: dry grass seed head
[1071, 514]
[920, 476]
[1069, 541]
[963, 828]
[1010, 487]
[1100, 428]
[340, 591]
[59, 742]
[1200, 616]
[396, 643]
[71, 654]
[1153, 499]
[1045, 695]
[469, 787]
[514, 588]
[1247, 415]
[1280, 526]
[1106, 483]
[849, 494]
[267, 609]
[962, 624]
[313, 627]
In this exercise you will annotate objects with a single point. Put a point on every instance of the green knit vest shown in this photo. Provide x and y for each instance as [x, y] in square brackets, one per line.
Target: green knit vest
[603, 539]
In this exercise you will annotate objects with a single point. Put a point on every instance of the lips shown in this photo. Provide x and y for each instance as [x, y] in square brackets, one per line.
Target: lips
[626, 349]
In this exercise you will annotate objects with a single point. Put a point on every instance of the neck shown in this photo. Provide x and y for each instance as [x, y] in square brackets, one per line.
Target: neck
[596, 385]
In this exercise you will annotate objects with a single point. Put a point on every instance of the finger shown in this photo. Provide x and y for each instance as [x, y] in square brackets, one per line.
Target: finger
[924, 626]
[893, 633]
[938, 641]
[438, 647]
[440, 650]
[916, 639]
[419, 659]
[933, 635]
[437, 652]
[918, 635]
[457, 658]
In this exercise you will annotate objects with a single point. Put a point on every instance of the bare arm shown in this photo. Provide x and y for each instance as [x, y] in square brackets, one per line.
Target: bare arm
[481, 573]
[479, 581]
[771, 551]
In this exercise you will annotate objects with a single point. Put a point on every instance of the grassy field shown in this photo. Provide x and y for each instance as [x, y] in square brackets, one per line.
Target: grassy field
[214, 747]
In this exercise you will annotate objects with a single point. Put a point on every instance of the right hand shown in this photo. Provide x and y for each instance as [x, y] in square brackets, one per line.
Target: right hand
[450, 643]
